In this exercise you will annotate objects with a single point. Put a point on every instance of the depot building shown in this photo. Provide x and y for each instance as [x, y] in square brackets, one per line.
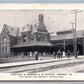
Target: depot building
[20, 41]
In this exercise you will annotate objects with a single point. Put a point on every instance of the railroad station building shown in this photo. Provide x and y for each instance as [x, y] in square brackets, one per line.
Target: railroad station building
[16, 41]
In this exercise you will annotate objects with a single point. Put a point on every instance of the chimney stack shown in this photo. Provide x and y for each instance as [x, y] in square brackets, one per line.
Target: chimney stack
[41, 19]
[41, 26]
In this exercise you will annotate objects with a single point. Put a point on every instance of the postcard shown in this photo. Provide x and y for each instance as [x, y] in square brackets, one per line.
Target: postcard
[41, 42]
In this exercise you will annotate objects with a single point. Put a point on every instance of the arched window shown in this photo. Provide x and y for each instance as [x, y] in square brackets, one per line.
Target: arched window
[4, 39]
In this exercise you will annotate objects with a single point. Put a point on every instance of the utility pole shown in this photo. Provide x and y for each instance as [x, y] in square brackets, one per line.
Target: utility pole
[73, 36]
[72, 25]
[0, 45]
[75, 12]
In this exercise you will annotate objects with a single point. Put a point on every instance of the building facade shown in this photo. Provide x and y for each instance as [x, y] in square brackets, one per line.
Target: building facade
[15, 41]
[21, 41]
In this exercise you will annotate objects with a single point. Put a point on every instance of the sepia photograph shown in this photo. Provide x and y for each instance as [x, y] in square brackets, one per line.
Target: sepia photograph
[42, 44]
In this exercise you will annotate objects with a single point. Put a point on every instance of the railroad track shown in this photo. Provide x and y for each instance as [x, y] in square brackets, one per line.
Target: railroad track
[42, 67]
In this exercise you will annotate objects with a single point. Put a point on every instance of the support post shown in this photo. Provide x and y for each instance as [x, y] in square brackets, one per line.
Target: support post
[64, 45]
[83, 46]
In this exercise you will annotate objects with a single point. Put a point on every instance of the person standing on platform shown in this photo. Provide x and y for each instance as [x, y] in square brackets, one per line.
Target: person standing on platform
[58, 54]
[64, 54]
[36, 55]
[44, 55]
[54, 54]
[30, 54]
[77, 53]
[68, 53]
[61, 53]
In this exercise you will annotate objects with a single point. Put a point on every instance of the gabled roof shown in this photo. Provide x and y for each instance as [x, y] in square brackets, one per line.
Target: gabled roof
[10, 29]
[28, 28]
[80, 34]
[16, 31]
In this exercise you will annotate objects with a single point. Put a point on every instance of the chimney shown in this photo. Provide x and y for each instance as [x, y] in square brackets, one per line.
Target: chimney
[41, 26]
[41, 19]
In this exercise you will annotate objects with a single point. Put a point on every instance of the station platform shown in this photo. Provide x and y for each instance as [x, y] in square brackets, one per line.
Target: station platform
[16, 64]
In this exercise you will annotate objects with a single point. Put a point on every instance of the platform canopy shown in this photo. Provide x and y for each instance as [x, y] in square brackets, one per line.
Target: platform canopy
[64, 36]
[32, 44]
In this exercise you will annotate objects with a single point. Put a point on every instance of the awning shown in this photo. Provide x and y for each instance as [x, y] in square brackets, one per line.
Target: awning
[32, 44]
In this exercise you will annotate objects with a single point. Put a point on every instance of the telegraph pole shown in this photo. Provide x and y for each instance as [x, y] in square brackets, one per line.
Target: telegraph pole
[73, 36]
[0, 45]
[72, 25]
[75, 12]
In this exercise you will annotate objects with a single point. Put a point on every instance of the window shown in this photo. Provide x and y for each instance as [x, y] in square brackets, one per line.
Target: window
[46, 38]
[5, 49]
[2, 49]
[4, 39]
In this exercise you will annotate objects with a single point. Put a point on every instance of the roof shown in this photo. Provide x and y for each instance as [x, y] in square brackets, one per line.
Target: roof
[10, 29]
[80, 34]
[32, 44]
[28, 27]
[16, 31]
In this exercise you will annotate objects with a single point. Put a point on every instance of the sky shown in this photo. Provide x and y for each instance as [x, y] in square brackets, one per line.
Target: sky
[55, 20]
